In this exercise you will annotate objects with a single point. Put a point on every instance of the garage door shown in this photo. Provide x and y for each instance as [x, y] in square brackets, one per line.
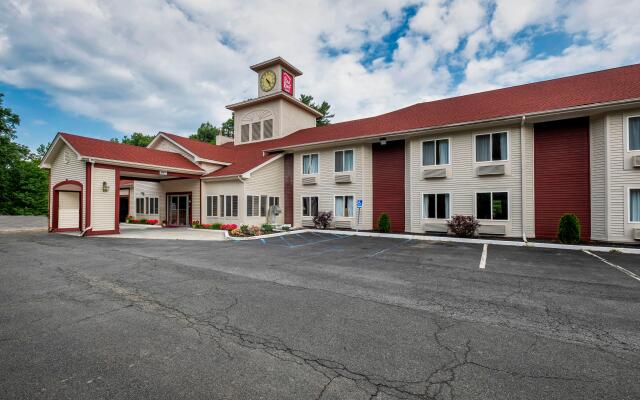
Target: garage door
[69, 210]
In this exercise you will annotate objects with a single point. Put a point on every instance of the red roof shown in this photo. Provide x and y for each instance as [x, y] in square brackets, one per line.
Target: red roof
[203, 150]
[96, 148]
[615, 84]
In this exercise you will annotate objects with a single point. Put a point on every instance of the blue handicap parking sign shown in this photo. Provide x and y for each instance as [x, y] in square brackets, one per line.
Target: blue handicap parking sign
[359, 203]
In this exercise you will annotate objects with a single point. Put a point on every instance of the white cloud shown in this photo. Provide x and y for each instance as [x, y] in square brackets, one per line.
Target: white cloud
[154, 65]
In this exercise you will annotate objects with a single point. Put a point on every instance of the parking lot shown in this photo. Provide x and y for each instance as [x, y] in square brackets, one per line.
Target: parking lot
[314, 316]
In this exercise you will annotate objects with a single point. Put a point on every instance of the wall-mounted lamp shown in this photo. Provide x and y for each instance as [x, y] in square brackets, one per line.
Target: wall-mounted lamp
[105, 187]
[383, 141]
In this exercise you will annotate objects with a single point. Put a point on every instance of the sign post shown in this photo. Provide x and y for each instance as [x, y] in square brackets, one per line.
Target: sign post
[359, 205]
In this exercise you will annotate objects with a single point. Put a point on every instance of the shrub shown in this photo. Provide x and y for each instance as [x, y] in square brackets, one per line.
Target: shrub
[267, 228]
[228, 227]
[255, 231]
[216, 226]
[142, 221]
[384, 223]
[129, 219]
[152, 221]
[205, 226]
[245, 229]
[569, 229]
[236, 231]
[323, 219]
[463, 225]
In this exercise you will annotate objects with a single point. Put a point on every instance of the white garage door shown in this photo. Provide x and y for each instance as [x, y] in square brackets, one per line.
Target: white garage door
[69, 210]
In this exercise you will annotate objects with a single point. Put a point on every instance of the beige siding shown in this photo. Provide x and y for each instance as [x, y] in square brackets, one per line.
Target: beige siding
[231, 187]
[294, 118]
[620, 177]
[598, 168]
[258, 112]
[326, 188]
[150, 189]
[462, 182]
[165, 145]
[529, 181]
[183, 185]
[69, 210]
[103, 204]
[67, 168]
[266, 181]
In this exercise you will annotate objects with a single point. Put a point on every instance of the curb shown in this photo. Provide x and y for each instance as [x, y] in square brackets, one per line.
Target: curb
[606, 249]
[14, 230]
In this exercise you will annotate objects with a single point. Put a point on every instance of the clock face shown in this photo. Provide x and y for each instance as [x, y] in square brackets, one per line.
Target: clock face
[267, 80]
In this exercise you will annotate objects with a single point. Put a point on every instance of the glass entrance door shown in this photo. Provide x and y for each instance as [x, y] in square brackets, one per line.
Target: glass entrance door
[178, 209]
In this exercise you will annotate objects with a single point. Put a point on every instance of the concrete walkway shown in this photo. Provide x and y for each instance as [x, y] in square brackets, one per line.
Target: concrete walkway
[131, 231]
[21, 223]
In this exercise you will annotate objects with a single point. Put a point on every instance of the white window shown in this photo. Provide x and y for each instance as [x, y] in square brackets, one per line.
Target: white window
[435, 152]
[310, 164]
[634, 205]
[244, 133]
[253, 206]
[344, 161]
[152, 205]
[492, 147]
[344, 206]
[309, 206]
[436, 205]
[274, 201]
[634, 133]
[229, 206]
[492, 206]
[212, 206]
[140, 205]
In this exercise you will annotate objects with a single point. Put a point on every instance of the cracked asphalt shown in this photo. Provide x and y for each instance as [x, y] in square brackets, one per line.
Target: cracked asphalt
[312, 316]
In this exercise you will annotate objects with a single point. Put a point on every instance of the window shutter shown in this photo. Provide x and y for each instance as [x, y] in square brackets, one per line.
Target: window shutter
[267, 128]
[255, 131]
[214, 206]
[249, 206]
[235, 205]
[263, 206]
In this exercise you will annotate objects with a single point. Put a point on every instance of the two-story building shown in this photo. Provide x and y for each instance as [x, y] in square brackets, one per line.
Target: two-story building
[516, 158]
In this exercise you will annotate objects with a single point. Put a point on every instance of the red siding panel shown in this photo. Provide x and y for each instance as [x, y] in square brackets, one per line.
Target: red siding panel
[562, 182]
[288, 189]
[388, 183]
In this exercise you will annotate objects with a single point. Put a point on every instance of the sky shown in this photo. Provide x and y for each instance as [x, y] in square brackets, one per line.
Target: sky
[109, 68]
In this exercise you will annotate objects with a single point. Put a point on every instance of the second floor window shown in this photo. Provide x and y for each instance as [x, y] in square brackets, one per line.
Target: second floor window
[344, 161]
[492, 147]
[634, 133]
[435, 152]
[244, 133]
[310, 164]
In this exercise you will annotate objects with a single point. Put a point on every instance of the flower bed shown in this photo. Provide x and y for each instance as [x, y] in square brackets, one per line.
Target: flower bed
[142, 221]
[235, 230]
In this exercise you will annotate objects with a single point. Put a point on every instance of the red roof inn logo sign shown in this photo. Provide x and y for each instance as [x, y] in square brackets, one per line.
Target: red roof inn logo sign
[287, 82]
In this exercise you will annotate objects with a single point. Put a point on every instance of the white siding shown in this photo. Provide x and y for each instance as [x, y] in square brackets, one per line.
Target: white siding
[326, 188]
[165, 145]
[229, 187]
[598, 168]
[463, 183]
[150, 189]
[69, 168]
[619, 179]
[103, 204]
[267, 181]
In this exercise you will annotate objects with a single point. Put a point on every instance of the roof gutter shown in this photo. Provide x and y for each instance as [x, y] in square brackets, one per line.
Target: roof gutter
[144, 166]
[437, 129]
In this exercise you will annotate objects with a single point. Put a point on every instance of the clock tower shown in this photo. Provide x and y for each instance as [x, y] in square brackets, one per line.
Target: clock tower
[276, 112]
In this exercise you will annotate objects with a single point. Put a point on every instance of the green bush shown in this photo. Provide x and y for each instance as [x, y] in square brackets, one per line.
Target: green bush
[244, 229]
[569, 229]
[216, 226]
[266, 228]
[384, 223]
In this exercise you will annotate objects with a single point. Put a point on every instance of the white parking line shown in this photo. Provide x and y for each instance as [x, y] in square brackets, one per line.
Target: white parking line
[626, 271]
[483, 258]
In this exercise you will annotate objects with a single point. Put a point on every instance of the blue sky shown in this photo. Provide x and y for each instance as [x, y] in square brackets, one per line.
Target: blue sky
[109, 68]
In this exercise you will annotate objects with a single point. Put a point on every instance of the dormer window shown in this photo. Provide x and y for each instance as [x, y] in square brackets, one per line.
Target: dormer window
[244, 133]
[267, 129]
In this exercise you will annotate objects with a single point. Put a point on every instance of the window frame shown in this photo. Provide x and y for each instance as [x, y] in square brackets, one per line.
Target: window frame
[627, 133]
[302, 163]
[353, 166]
[436, 194]
[628, 204]
[475, 154]
[492, 191]
[209, 201]
[141, 199]
[248, 124]
[149, 203]
[302, 205]
[434, 155]
[353, 211]
[224, 208]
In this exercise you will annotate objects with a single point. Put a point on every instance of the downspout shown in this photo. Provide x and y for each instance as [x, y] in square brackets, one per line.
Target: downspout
[522, 184]
[88, 228]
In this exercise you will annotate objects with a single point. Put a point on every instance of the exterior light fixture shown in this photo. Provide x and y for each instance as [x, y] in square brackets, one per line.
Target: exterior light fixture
[383, 141]
[105, 186]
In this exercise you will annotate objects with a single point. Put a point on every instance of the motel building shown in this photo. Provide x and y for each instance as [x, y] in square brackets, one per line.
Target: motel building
[516, 158]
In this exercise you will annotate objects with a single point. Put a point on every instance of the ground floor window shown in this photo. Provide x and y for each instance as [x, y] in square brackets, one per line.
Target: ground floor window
[228, 205]
[436, 205]
[309, 206]
[152, 205]
[344, 206]
[492, 205]
[253, 206]
[140, 205]
[634, 205]
[274, 201]
[212, 206]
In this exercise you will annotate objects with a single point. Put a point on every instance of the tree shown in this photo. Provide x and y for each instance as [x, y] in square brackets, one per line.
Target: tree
[23, 185]
[227, 126]
[206, 133]
[136, 139]
[323, 109]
